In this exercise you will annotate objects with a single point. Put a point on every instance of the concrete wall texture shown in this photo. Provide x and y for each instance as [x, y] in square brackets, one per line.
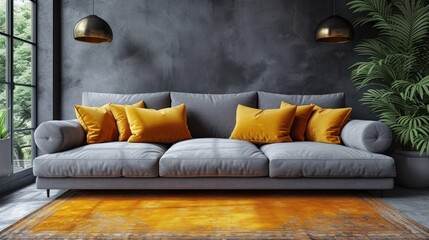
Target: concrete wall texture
[207, 46]
[44, 60]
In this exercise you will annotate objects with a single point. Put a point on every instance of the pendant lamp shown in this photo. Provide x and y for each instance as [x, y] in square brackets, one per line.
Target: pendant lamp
[93, 29]
[334, 29]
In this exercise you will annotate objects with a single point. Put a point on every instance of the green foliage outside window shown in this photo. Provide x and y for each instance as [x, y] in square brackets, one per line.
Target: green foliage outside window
[4, 132]
[22, 74]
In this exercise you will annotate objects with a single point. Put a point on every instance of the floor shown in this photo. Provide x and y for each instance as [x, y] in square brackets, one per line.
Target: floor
[413, 202]
[16, 205]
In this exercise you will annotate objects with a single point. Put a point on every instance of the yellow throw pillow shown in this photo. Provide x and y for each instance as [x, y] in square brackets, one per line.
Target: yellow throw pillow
[263, 126]
[98, 123]
[325, 124]
[122, 120]
[302, 115]
[167, 125]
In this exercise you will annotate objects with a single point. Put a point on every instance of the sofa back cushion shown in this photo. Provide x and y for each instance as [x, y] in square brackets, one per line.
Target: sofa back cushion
[212, 115]
[157, 100]
[272, 100]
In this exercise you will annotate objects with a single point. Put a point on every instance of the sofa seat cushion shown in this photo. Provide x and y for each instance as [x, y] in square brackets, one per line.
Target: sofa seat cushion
[113, 159]
[312, 159]
[213, 157]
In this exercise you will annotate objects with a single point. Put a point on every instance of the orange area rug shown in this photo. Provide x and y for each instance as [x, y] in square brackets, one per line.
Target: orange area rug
[216, 215]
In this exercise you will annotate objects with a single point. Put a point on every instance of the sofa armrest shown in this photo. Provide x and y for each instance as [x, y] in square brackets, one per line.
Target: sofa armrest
[57, 136]
[370, 136]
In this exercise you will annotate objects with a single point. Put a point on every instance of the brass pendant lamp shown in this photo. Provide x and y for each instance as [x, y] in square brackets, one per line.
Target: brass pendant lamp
[334, 29]
[93, 29]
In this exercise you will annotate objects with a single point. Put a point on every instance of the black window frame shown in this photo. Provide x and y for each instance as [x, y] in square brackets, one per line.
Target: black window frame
[17, 178]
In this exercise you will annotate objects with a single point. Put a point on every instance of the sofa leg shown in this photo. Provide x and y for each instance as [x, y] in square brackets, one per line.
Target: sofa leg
[48, 192]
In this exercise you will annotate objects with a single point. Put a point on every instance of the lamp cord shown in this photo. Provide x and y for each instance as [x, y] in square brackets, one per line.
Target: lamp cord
[93, 7]
[335, 7]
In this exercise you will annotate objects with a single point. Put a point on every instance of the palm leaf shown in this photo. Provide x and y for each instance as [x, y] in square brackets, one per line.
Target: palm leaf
[396, 74]
[419, 89]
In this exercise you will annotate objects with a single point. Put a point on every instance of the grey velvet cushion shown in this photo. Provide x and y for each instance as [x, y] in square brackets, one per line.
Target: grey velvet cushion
[272, 100]
[371, 136]
[57, 136]
[212, 115]
[152, 100]
[211, 157]
[312, 159]
[113, 159]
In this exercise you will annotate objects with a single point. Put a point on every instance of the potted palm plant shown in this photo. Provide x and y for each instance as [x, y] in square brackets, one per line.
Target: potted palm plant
[395, 79]
[5, 146]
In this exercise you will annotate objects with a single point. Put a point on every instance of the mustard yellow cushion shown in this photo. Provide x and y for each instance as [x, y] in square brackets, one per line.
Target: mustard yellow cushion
[263, 126]
[325, 124]
[302, 114]
[98, 123]
[122, 120]
[167, 125]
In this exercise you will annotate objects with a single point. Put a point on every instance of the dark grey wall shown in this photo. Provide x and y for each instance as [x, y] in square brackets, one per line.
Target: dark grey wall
[207, 46]
[44, 60]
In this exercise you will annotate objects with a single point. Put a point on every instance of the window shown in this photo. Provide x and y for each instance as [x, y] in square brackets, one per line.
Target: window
[18, 76]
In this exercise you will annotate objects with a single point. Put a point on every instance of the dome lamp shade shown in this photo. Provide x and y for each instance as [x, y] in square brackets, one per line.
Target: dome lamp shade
[334, 29]
[93, 29]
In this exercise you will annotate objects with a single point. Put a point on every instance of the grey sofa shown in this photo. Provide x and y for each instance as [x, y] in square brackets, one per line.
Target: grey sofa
[210, 160]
